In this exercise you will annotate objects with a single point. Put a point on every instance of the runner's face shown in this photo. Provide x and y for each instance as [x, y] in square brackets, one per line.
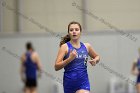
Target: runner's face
[74, 31]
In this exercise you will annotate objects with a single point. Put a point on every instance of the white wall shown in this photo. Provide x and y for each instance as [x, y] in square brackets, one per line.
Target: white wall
[116, 51]
[124, 14]
[56, 15]
[1, 17]
[53, 14]
[9, 17]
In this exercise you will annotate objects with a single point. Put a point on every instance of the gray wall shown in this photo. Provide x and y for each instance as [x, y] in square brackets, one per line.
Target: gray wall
[115, 50]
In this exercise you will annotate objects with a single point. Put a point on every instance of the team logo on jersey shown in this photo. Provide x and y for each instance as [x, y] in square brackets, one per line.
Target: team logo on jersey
[81, 54]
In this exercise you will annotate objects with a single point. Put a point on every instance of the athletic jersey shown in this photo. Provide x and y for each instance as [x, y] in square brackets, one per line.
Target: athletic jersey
[30, 67]
[138, 66]
[77, 67]
[75, 74]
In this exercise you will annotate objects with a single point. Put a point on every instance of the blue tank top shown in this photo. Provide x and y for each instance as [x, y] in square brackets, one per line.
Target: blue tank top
[77, 68]
[30, 67]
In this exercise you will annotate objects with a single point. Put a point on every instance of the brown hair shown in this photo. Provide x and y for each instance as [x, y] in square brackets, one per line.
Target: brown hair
[29, 46]
[66, 38]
